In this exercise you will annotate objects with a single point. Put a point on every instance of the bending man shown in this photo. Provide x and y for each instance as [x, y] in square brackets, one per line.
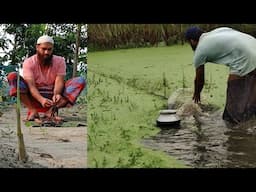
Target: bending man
[236, 50]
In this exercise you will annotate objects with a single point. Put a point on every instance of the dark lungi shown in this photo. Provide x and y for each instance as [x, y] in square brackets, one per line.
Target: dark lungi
[241, 98]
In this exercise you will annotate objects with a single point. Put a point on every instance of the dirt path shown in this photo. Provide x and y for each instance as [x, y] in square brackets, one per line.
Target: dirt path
[51, 147]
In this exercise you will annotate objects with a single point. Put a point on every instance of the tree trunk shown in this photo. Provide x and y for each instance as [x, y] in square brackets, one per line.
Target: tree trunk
[181, 35]
[78, 33]
[13, 56]
[165, 34]
[46, 29]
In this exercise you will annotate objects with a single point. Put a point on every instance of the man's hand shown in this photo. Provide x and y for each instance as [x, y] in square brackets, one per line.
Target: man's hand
[56, 98]
[199, 83]
[46, 102]
[196, 98]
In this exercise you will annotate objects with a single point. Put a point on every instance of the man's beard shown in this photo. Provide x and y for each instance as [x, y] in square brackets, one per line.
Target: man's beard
[193, 46]
[45, 60]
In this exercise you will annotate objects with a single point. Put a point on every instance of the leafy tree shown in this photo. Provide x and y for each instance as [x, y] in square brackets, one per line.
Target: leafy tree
[18, 42]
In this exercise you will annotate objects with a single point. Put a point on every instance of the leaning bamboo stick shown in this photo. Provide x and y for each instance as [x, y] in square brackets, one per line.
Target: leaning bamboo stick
[21, 146]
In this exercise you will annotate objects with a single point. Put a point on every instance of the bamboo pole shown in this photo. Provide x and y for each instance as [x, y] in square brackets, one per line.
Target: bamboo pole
[21, 146]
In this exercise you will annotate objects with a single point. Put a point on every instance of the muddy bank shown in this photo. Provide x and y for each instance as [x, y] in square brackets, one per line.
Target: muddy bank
[9, 158]
[46, 147]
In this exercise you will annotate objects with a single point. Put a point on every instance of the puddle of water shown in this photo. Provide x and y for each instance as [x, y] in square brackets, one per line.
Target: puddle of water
[212, 144]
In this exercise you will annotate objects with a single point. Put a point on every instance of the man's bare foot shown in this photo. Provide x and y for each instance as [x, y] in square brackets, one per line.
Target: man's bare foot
[58, 118]
[33, 114]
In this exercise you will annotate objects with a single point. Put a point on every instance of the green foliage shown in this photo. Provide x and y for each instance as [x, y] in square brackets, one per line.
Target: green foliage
[113, 36]
[19, 40]
[64, 36]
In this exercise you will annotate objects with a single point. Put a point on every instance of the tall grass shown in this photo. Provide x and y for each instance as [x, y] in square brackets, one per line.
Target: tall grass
[113, 36]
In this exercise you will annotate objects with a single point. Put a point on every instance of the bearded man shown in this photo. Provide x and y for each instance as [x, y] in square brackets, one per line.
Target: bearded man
[43, 87]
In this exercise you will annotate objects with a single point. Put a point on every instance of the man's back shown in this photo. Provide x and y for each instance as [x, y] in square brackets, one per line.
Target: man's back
[227, 46]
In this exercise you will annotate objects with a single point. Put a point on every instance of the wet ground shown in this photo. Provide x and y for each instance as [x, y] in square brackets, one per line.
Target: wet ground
[211, 144]
[46, 147]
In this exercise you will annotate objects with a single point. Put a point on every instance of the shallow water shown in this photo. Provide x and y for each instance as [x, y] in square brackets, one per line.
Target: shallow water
[210, 144]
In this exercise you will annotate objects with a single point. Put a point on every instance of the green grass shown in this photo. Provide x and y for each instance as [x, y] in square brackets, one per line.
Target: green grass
[124, 102]
[119, 117]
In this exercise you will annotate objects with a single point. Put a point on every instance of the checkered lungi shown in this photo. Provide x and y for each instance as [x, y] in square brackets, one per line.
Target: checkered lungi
[72, 89]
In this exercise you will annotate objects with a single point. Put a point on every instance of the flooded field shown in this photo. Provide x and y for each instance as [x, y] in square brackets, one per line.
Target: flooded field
[211, 144]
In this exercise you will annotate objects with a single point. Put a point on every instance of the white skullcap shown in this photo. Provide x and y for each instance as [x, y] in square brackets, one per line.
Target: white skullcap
[45, 39]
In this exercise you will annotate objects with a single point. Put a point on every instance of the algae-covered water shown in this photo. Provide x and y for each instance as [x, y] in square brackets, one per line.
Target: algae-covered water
[121, 115]
[211, 144]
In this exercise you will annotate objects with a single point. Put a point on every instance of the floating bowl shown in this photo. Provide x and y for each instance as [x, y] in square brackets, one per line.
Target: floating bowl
[168, 118]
